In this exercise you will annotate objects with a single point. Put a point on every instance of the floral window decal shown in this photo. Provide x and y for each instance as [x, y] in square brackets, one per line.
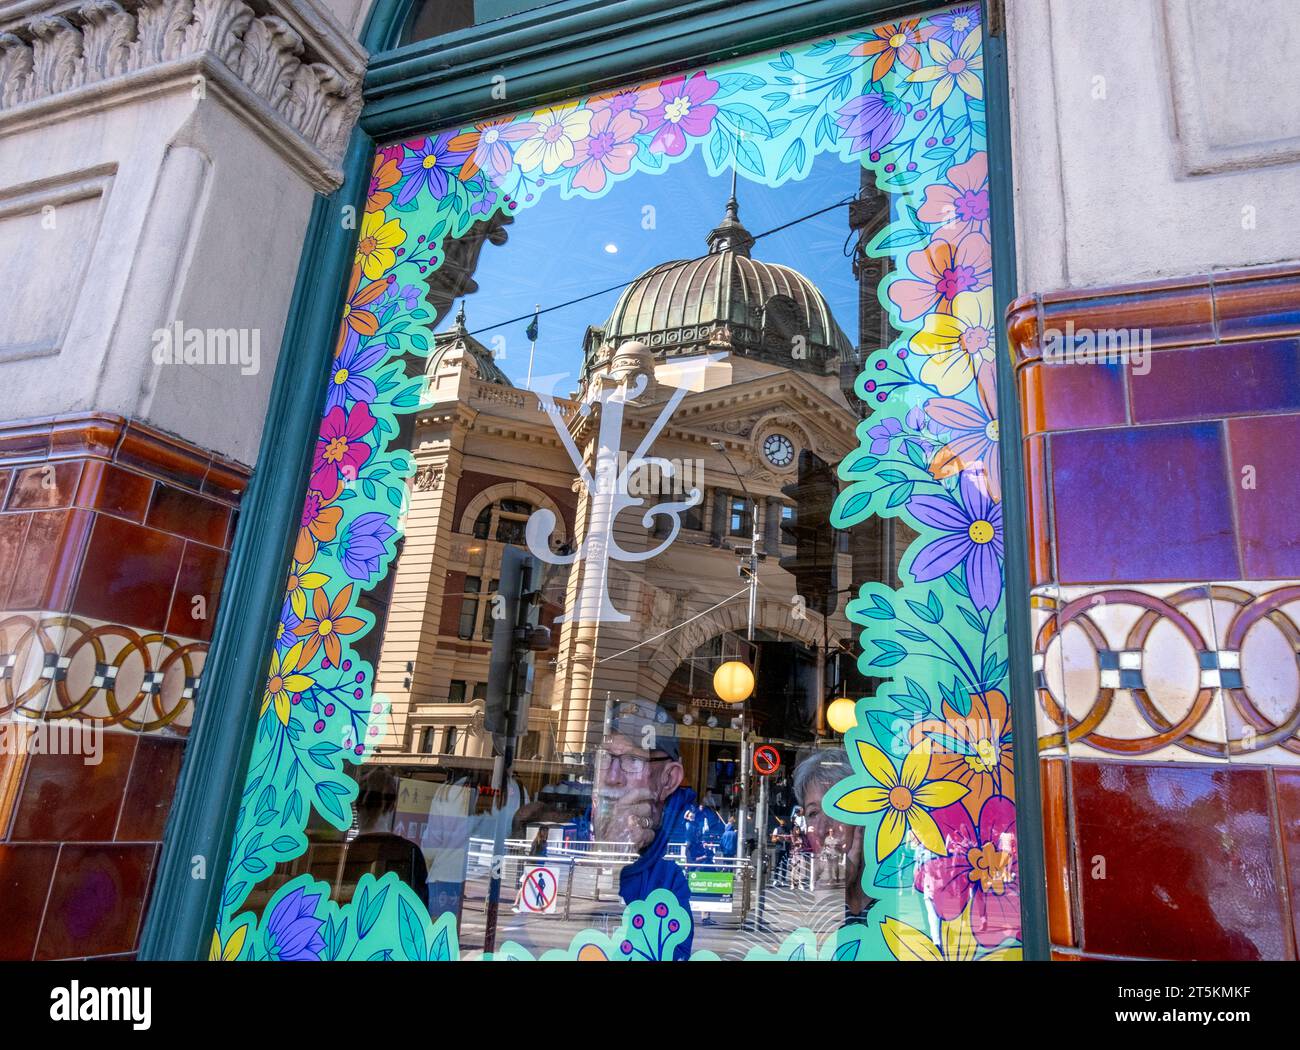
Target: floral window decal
[932, 775]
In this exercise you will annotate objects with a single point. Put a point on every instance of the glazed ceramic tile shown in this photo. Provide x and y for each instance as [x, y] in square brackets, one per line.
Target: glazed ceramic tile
[1257, 670]
[1131, 683]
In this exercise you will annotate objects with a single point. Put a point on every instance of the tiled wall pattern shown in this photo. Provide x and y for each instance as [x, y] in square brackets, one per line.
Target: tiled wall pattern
[1165, 560]
[113, 546]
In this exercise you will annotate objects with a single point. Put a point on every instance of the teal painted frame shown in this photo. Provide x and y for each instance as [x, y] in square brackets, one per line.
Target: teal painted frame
[585, 44]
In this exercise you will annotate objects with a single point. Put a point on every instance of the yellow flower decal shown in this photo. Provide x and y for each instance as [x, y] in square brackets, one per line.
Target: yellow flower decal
[959, 344]
[953, 70]
[282, 679]
[956, 943]
[229, 952]
[906, 798]
[299, 584]
[375, 253]
[552, 143]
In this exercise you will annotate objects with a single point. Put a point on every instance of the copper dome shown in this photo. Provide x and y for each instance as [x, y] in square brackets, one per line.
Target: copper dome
[725, 300]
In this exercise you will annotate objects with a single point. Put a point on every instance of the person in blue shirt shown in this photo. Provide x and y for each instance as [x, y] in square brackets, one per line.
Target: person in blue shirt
[638, 798]
[728, 844]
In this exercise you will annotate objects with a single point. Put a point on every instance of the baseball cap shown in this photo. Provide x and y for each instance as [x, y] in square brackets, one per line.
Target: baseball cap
[646, 724]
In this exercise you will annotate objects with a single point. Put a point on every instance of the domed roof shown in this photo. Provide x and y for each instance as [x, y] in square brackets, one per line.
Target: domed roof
[725, 300]
[455, 344]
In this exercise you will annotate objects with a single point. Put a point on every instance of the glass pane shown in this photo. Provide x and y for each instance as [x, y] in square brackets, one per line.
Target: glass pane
[433, 18]
[698, 376]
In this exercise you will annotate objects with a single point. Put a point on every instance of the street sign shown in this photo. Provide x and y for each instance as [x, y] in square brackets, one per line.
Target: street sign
[539, 890]
[711, 890]
[767, 760]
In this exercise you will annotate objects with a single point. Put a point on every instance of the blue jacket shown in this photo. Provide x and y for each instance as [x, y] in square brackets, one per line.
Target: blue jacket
[652, 870]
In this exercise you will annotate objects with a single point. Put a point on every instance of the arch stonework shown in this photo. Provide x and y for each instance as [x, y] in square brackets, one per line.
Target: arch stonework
[513, 490]
[775, 616]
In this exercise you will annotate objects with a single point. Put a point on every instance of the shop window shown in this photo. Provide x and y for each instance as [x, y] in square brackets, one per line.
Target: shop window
[724, 334]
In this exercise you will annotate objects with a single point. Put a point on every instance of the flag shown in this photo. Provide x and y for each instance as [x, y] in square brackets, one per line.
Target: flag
[531, 331]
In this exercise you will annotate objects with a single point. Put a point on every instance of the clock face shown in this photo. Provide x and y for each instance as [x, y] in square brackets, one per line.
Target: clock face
[779, 450]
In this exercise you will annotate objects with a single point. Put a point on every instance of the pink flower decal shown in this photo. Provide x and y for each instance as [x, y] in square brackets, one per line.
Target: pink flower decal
[979, 870]
[961, 204]
[942, 271]
[641, 102]
[340, 452]
[609, 148]
[683, 111]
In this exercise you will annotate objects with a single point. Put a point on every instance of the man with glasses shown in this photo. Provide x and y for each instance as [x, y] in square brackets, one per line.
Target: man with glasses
[638, 799]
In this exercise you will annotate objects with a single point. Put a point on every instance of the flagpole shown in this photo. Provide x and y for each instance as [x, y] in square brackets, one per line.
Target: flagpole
[532, 346]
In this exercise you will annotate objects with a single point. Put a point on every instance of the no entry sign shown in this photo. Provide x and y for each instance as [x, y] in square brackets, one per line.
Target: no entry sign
[767, 760]
[539, 890]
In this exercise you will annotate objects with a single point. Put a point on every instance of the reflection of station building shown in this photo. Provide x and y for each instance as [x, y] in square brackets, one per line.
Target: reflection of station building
[488, 456]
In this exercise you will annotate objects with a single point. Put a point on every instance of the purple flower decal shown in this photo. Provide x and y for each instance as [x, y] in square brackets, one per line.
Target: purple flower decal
[284, 636]
[882, 434]
[293, 931]
[428, 164]
[953, 25]
[348, 381]
[484, 205]
[972, 537]
[364, 543]
[683, 111]
[872, 120]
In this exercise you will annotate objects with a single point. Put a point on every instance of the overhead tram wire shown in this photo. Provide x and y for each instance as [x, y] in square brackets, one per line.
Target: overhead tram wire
[685, 262]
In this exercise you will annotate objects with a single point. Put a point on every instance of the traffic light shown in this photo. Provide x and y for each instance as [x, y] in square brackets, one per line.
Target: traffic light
[811, 534]
[515, 637]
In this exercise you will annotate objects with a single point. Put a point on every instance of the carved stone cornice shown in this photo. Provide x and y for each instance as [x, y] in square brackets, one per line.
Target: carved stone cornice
[294, 69]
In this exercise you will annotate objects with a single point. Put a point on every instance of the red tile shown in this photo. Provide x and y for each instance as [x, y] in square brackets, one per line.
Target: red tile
[111, 489]
[150, 789]
[44, 487]
[1176, 312]
[203, 570]
[1266, 302]
[1038, 513]
[13, 530]
[181, 512]
[96, 901]
[1267, 488]
[226, 481]
[1056, 852]
[92, 435]
[154, 453]
[65, 800]
[1072, 396]
[1288, 806]
[1177, 862]
[25, 873]
[26, 444]
[46, 574]
[128, 574]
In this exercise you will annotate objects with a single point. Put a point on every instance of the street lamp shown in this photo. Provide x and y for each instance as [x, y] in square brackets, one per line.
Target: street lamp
[733, 681]
[750, 570]
[842, 714]
[734, 667]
